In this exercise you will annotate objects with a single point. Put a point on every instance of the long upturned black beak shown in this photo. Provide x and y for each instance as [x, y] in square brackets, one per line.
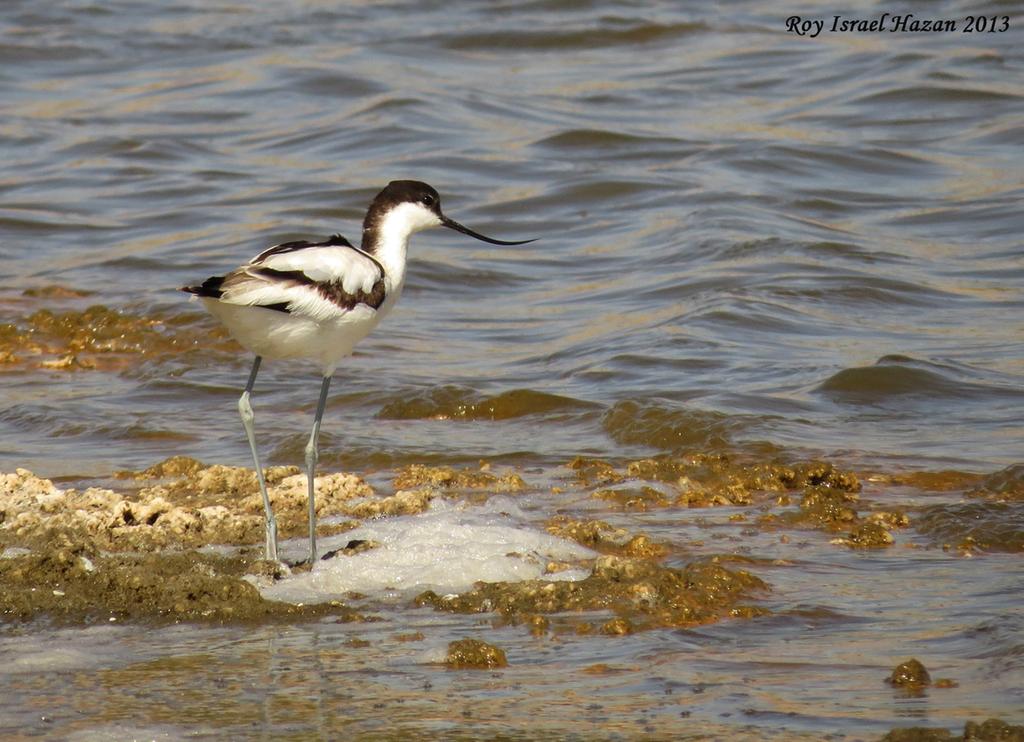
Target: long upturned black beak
[452, 224]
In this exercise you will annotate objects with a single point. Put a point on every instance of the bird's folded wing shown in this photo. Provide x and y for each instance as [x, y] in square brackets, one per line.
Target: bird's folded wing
[318, 281]
[350, 266]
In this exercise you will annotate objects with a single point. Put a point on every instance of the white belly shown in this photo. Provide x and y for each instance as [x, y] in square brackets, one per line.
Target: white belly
[273, 334]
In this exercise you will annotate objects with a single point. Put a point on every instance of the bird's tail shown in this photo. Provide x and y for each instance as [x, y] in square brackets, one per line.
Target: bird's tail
[210, 287]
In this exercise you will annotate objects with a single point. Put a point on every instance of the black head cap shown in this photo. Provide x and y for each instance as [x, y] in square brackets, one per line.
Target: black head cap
[403, 191]
[414, 191]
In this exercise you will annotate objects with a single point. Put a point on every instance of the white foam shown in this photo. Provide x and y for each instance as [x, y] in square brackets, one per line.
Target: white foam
[446, 549]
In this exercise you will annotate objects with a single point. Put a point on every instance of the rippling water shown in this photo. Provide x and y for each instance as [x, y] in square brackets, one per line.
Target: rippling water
[749, 242]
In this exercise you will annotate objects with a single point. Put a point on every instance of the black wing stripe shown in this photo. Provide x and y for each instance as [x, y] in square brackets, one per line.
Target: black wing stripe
[333, 291]
[330, 290]
[335, 240]
[281, 306]
[211, 288]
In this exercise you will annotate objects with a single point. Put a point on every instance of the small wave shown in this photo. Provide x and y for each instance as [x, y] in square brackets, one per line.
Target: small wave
[326, 83]
[1012, 134]
[458, 403]
[993, 526]
[22, 54]
[594, 138]
[646, 424]
[441, 276]
[56, 422]
[898, 376]
[26, 226]
[572, 38]
[1005, 483]
[875, 162]
[942, 95]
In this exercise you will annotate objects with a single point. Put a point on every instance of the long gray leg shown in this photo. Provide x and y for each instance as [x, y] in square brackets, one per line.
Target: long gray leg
[311, 459]
[245, 410]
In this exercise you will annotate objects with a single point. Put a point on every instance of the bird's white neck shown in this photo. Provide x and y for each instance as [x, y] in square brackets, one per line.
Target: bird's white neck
[390, 251]
[386, 236]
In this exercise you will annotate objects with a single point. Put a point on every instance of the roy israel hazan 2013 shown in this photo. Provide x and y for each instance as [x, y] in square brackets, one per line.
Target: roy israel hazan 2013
[886, 22]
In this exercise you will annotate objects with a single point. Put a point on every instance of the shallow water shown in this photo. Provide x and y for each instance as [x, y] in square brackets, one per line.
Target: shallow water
[750, 243]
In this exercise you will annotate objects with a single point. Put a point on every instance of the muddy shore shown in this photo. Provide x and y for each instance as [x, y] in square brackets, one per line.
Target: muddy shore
[181, 541]
[145, 550]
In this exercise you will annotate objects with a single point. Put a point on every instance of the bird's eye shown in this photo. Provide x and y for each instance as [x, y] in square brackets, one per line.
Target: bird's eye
[428, 199]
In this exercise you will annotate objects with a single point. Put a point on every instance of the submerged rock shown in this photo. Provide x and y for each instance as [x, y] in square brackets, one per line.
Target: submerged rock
[872, 535]
[604, 538]
[827, 507]
[98, 337]
[634, 498]
[829, 494]
[594, 471]
[993, 730]
[990, 730]
[705, 480]
[459, 403]
[909, 673]
[919, 734]
[175, 466]
[947, 480]
[474, 654]
[835, 511]
[617, 627]
[448, 477]
[641, 592]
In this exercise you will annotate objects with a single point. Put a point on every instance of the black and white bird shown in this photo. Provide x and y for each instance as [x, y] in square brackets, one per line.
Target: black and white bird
[316, 300]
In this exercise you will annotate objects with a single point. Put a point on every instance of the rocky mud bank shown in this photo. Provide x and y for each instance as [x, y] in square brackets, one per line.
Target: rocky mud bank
[182, 541]
[175, 541]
